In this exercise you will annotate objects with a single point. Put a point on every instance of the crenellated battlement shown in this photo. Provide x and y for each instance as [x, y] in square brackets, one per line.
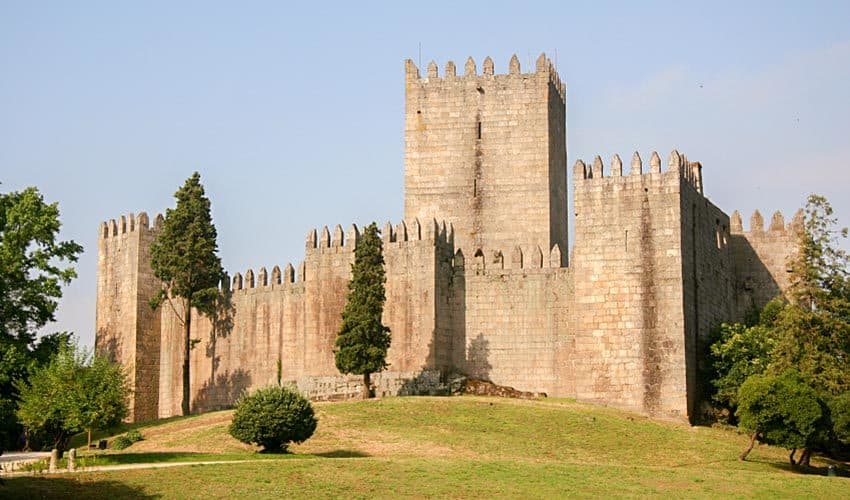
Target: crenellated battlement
[777, 225]
[543, 68]
[129, 223]
[690, 171]
[262, 279]
[484, 261]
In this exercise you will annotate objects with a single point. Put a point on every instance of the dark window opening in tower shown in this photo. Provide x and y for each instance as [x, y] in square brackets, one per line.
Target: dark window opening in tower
[474, 187]
[479, 130]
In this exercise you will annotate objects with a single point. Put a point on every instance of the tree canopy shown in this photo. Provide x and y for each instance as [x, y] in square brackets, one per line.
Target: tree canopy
[75, 391]
[34, 265]
[32, 269]
[363, 341]
[184, 256]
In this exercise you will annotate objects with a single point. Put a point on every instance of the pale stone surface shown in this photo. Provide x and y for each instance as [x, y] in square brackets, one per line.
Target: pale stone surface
[486, 292]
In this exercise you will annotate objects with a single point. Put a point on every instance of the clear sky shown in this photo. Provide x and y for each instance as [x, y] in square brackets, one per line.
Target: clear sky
[293, 114]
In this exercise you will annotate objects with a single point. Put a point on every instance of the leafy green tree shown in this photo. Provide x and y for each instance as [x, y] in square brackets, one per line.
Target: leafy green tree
[100, 398]
[362, 342]
[33, 269]
[813, 333]
[272, 418]
[742, 350]
[185, 257]
[780, 410]
[839, 409]
[72, 393]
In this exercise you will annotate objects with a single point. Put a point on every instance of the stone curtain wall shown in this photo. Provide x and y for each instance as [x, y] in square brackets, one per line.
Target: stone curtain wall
[511, 317]
[126, 327]
[294, 317]
[760, 259]
[627, 261]
[487, 152]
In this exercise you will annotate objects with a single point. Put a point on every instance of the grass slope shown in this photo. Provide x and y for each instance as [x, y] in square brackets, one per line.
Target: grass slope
[456, 447]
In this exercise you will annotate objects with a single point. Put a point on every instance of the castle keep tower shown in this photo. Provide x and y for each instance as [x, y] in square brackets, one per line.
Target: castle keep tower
[487, 153]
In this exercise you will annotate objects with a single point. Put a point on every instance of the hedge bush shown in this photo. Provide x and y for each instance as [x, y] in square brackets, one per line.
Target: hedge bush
[272, 418]
[125, 440]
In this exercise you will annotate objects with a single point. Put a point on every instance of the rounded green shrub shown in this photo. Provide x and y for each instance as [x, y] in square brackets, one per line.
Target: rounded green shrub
[125, 440]
[272, 418]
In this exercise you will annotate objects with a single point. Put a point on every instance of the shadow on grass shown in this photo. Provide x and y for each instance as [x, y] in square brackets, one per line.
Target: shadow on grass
[68, 487]
[342, 454]
[841, 468]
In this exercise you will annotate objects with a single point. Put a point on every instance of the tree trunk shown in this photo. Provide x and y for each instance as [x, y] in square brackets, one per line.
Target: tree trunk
[805, 458]
[367, 386]
[88, 446]
[749, 448]
[187, 323]
[791, 457]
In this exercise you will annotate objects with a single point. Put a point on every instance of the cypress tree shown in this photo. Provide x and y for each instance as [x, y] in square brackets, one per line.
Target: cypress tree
[362, 342]
[184, 256]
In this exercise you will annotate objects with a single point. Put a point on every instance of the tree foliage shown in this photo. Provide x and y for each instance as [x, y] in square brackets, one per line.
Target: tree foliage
[185, 257]
[839, 409]
[272, 418]
[31, 263]
[782, 410]
[813, 332]
[74, 392]
[34, 265]
[362, 342]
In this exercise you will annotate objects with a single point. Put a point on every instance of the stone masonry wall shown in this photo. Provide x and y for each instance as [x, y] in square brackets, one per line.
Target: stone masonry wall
[760, 259]
[707, 277]
[296, 319]
[510, 316]
[629, 347]
[127, 329]
[487, 153]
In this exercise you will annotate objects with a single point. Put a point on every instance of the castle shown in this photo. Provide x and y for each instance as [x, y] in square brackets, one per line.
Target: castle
[479, 280]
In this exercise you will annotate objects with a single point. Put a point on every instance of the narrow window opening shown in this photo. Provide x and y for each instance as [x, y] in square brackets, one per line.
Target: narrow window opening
[626, 241]
[479, 130]
[718, 234]
[474, 187]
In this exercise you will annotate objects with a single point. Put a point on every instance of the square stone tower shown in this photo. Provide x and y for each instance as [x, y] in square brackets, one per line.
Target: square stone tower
[487, 153]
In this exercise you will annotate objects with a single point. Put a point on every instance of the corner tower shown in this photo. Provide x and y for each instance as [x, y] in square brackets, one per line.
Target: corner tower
[127, 329]
[487, 153]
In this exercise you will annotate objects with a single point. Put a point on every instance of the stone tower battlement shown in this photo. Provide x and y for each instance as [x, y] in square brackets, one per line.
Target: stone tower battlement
[487, 152]
[488, 291]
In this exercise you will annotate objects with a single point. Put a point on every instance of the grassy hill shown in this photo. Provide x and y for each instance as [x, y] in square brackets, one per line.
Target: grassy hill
[456, 447]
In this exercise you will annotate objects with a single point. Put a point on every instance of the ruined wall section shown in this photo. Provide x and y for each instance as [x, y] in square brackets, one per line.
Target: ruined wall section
[760, 259]
[707, 276]
[510, 312]
[293, 318]
[629, 346]
[487, 152]
[127, 329]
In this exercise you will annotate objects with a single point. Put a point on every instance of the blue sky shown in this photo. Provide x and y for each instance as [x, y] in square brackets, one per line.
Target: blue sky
[293, 114]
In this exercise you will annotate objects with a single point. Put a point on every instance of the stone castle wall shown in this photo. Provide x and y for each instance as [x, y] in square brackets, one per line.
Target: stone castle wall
[487, 153]
[760, 259]
[510, 313]
[293, 318]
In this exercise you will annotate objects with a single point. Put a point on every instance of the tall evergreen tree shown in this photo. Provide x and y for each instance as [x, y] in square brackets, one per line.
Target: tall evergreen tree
[813, 331]
[185, 257]
[362, 343]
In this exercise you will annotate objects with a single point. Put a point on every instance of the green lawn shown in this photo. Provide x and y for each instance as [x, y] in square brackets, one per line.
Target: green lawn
[456, 447]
